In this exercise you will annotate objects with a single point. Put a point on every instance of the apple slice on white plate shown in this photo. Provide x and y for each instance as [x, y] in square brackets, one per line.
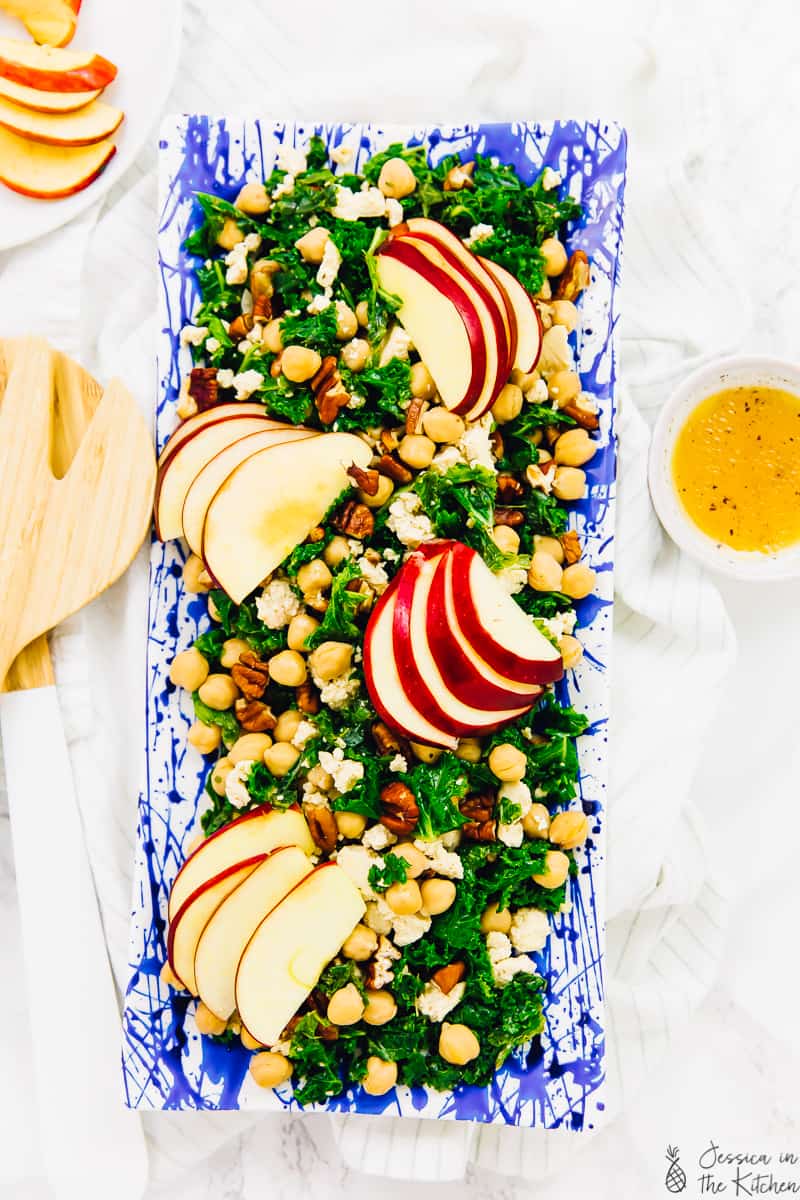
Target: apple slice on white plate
[49, 172]
[53, 70]
[257, 832]
[83, 128]
[269, 504]
[528, 321]
[209, 479]
[230, 927]
[291, 947]
[193, 916]
[47, 102]
[49, 22]
[220, 412]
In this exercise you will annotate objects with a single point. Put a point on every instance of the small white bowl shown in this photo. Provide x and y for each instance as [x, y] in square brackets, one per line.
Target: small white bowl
[713, 377]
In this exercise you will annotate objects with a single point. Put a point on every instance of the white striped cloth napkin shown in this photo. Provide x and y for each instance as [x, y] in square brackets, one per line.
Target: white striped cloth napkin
[672, 638]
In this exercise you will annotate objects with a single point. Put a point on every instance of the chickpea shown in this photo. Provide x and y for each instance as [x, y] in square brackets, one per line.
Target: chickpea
[569, 829]
[336, 551]
[299, 363]
[525, 379]
[548, 545]
[193, 568]
[506, 539]
[508, 404]
[345, 1007]
[314, 577]
[495, 920]
[346, 323]
[555, 871]
[271, 336]
[443, 426]
[469, 748]
[437, 895]
[571, 651]
[385, 489]
[169, 978]
[355, 354]
[536, 822]
[232, 651]
[544, 573]
[404, 898]
[545, 292]
[556, 354]
[349, 824]
[569, 483]
[230, 235]
[288, 668]
[312, 244]
[249, 747]
[218, 692]
[415, 860]
[300, 628]
[396, 179]
[249, 1042]
[253, 199]
[416, 450]
[555, 256]
[205, 738]
[380, 1007]
[319, 778]
[564, 387]
[458, 1044]
[423, 387]
[426, 754]
[207, 1022]
[270, 1069]
[574, 448]
[381, 1076]
[280, 758]
[286, 725]
[330, 659]
[362, 313]
[578, 581]
[361, 944]
[564, 313]
[220, 772]
[189, 669]
[508, 763]
[213, 611]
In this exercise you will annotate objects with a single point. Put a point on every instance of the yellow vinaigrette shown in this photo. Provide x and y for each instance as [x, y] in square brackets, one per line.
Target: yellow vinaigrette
[736, 468]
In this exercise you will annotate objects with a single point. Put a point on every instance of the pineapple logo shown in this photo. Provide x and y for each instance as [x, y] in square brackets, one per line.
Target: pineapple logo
[676, 1176]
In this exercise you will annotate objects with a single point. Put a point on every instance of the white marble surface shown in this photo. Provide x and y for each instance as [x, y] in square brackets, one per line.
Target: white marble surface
[731, 1074]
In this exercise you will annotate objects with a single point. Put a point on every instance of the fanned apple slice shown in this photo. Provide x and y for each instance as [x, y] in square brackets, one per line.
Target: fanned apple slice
[193, 916]
[207, 482]
[291, 947]
[271, 502]
[83, 128]
[220, 412]
[50, 172]
[231, 926]
[528, 321]
[41, 101]
[49, 22]
[53, 70]
[257, 832]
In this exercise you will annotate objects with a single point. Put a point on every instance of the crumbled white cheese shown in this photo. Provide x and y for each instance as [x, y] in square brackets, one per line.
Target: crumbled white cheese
[247, 382]
[379, 917]
[537, 393]
[398, 763]
[530, 929]
[314, 798]
[512, 834]
[291, 159]
[281, 1047]
[498, 946]
[356, 862]
[451, 840]
[407, 522]
[318, 303]
[341, 155]
[512, 579]
[478, 233]
[516, 793]
[225, 378]
[374, 574]
[394, 212]
[435, 1004]
[252, 242]
[397, 345]
[329, 267]
[378, 837]
[448, 456]
[305, 731]
[235, 785]
[345, 772]
[356, 547]
[391, 555]
[503, 972]
[440, 860]
[382, 972]
[193, 335]
[284, 188]
[277, 604]
[475, 443]
[212, 345]
[550, 179]
[560, 624]
[339, 691]
[408, 929]
[351, 206]
[356, 401]
[539, 479]
[236, 262]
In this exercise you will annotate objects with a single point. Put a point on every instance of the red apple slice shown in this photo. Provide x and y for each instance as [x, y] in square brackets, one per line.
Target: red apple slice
[83, 128]
[220, 412]
[210, 478]
[441, 320]
[40, 101]
[271, 502]
[291, 947]
[193, 916]
[182, 467]
[51, 22]
[383, 682]
[229, 929]
[494, 624]
[53, 70]
[49, 172]
[528, 321]
[256, 832]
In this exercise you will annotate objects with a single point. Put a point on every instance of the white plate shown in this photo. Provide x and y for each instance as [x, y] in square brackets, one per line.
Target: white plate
[143, 39]
[730, 372]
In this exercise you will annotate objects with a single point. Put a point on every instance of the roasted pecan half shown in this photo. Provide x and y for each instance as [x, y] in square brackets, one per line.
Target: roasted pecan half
[571, 545]
[307, 697]
[329, 393]
[497, 444]
[413, 414]
[575, 278]
[241, 326]
[203, 387]
[386, 741]
[250, 675]
[479, 811]
[316, 534]
[354, 520]
[447, 977]
[509, 490]
[253, 716]
[389, 440]
[275, 366]
[325, 372]
[399, 808]
[366, 480]
[393, 469]
[586, 420]
[508, 516]
[322, 827]
[262, 309]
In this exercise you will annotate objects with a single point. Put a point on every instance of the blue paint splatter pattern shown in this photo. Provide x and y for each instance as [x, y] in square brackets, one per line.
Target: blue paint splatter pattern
[557, 1080]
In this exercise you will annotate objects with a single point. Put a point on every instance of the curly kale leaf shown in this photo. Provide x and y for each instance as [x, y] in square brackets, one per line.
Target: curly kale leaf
[242, 621]
[339, 624]
[460, 503]
[386, 391]
[437, 788]
[393, 869]
[226, 721]
[317, 331]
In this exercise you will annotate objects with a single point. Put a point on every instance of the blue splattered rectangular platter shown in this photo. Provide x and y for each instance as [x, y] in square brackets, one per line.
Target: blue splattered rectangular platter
[558, 1079]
